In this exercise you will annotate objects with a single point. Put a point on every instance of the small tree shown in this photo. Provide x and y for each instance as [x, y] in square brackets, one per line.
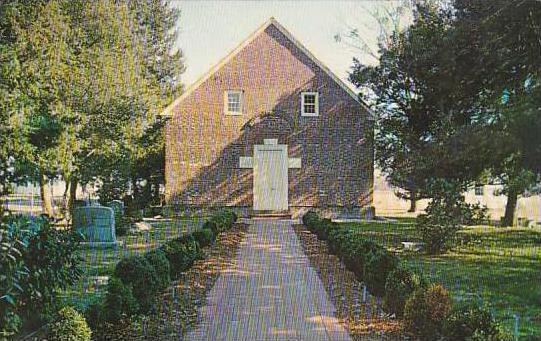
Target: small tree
[445, 215]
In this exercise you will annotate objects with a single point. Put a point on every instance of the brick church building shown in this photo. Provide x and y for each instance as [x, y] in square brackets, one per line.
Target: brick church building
[270, 129]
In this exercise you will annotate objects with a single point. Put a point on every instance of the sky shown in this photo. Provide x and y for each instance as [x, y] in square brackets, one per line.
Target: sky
[209, 30]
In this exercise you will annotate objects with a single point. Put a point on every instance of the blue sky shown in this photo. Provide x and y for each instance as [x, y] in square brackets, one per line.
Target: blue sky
[209, 30]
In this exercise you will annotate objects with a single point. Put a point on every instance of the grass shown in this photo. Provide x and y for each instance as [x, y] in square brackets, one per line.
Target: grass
[99, 263]
[498, 267]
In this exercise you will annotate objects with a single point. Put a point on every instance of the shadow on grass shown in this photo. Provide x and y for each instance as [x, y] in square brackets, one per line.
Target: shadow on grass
[498, 267]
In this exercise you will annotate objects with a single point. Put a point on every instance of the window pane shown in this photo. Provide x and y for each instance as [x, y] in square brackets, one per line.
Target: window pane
[309, 99]
[233, 102]
[479, 190]
[309, 108]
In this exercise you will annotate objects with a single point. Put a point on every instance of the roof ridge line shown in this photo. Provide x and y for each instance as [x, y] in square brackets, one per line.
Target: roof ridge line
[271, 21]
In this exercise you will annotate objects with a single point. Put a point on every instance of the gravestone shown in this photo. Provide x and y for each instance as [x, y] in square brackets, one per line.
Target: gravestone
[96, 224]
[117, 206]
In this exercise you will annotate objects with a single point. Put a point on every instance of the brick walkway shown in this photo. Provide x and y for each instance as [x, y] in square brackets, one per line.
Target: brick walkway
[270, 293]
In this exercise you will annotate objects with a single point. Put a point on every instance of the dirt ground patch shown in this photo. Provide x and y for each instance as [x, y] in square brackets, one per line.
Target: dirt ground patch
[360, 313]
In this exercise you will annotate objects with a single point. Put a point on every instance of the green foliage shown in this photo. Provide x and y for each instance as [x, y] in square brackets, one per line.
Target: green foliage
[426, 310]
[210, 225]
[119, 302]
[355, 252]
[337, 238]
[122, 225]
[445, 214]
[370, 262]
[310, 218]
[122, 222]
[162, 268]
[65, 70]
[475, 214]
[53, 263]
[37, 262]
[377, 266]
[137, 273]
[14, 236]
[321, 227]
[204, 236]
[222, 220]
[471, 322]
[399, 285]
[181, 253]
[69, 326]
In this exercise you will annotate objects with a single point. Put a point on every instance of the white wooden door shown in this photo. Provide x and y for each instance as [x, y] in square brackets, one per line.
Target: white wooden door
[270, 178]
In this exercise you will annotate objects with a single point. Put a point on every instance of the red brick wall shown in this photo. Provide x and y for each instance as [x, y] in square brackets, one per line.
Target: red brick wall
[204, 145]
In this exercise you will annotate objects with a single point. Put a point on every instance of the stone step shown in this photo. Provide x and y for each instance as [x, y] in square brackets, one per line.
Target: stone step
[270, 214]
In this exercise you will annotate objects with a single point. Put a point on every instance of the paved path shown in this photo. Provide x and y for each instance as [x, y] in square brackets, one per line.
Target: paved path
[271, 293]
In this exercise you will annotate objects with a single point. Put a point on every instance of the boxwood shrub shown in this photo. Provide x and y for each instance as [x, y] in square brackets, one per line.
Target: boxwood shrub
[204, 237]
[162, 268]
[119, 302]
[310, 218]
[222, 220]
[379, 263]
[181, 253]
[337, 238]
[140, 275]
[471, 322]
[405, 292]
[322, 228]
[425, 312]
[210, 225]
[400, 284]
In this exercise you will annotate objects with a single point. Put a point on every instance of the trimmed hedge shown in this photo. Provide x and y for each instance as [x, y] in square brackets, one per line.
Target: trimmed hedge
[222, 221]
[205, 237]
[310, 218]
[378, 265]
[138, 280]
[370, 262]
[404, 292]
[400, 284]
[160, 263]
[181, 253]
[119, 302]
[139, 274]
[470, 322]
[426, 310]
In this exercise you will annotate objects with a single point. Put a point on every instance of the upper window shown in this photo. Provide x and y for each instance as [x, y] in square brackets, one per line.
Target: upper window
[309, 104]
[233, 102]
[479, 189]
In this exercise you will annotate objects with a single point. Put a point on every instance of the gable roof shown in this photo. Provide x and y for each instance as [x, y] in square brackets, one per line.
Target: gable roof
[168, 111]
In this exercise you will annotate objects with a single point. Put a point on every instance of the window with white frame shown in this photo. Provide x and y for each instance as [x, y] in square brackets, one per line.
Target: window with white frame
[479, 189]
[309, 104]
[233, 102]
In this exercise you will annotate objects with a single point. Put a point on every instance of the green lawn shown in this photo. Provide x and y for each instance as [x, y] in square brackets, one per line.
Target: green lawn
[98, 263]
[500, 267]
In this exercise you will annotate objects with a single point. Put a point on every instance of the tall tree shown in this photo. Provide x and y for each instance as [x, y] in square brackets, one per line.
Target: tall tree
[91, 78]
[468, 76]
[417, 128]
[500, 41]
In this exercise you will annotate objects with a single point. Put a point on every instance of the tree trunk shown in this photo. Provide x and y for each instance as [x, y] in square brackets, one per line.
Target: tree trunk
[413, 202]
[65, 210]
[73, 195]
[68, 199]
[44, 191]
[510, 207]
